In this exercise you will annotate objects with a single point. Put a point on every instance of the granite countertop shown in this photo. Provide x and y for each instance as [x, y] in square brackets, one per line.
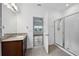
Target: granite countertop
[20, 37]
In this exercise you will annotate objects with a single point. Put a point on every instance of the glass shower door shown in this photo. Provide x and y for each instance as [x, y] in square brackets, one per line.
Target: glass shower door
[72, 34]
[59, 32]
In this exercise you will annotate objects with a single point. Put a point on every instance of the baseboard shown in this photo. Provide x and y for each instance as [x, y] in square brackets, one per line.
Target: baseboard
[71, 54]
[29, 48]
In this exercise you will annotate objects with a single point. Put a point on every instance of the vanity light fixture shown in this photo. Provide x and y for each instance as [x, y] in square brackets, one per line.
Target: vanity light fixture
[11, 6]
[14, 6]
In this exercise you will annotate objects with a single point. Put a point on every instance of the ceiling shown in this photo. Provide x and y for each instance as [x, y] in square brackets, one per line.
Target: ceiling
[60, 7]
[57, 6]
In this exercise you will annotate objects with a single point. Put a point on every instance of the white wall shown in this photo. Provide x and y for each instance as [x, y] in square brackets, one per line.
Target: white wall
[50, 29]
[46, 33]
[9, 20]
[51, 32]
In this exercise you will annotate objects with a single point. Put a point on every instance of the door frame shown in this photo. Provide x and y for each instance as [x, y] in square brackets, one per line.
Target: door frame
[42, 32]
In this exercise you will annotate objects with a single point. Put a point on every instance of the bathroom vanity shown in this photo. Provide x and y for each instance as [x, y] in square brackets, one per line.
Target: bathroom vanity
[14, 46]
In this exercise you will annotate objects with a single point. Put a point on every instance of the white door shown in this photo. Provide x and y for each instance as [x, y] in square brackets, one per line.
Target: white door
[46, 32]
[0, 26]
[59, 32]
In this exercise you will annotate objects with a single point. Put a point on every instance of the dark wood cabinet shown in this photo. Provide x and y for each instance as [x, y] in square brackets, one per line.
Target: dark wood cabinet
[14, 48]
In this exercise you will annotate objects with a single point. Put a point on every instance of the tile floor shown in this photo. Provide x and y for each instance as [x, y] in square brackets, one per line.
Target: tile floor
[53, 51]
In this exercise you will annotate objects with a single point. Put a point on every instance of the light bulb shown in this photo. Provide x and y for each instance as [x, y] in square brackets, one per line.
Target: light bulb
[67, 5]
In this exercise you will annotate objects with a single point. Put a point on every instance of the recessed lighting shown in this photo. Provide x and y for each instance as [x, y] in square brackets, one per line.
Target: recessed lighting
[67, 5]
[39, 5]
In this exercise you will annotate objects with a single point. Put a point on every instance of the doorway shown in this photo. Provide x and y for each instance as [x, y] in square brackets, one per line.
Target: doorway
[37, 31]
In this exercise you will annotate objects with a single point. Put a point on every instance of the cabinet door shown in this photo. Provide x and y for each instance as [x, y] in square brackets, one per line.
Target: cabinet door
[13, 48]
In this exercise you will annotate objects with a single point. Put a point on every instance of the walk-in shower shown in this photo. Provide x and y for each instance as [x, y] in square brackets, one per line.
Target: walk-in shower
[67, 33]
